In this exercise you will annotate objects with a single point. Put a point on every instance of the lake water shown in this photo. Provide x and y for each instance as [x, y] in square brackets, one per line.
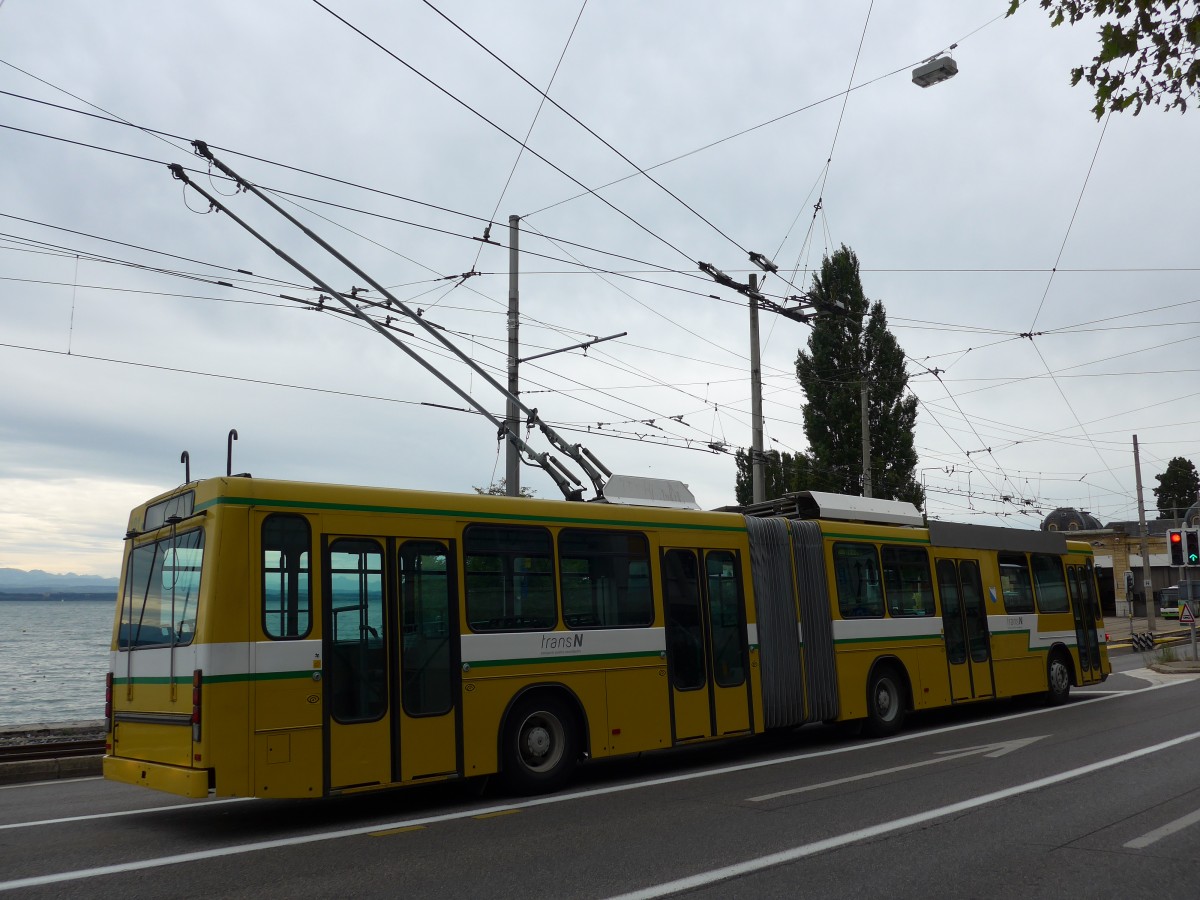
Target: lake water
[53, 659]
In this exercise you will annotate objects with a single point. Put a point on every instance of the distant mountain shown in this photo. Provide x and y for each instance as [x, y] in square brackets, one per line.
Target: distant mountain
[37, 581]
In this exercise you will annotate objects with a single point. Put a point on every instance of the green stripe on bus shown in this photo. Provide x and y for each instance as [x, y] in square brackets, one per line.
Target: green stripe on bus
[883, 539]
[542, 660]
[258, 676]
[458, 514]
[888, 639]
[216, 679]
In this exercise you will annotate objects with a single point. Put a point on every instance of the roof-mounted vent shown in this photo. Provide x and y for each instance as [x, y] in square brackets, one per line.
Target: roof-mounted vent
[841, 507]
[632, 490]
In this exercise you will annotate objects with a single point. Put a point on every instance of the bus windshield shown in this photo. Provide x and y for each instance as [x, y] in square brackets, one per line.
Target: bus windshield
[159, 602]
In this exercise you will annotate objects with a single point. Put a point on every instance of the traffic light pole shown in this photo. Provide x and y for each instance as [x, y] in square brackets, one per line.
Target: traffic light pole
[1186, 585]
[1147, 582]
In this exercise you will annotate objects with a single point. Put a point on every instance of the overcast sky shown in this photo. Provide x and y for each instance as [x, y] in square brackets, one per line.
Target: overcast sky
[959, 201]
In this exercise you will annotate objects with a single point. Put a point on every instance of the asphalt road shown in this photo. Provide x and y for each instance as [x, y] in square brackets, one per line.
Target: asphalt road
[1098, 798]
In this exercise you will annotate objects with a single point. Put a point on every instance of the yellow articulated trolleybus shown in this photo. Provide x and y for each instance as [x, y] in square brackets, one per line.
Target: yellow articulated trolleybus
[277, 639]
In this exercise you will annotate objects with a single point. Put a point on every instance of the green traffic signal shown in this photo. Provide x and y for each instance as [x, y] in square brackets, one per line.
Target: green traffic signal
[1192, 554]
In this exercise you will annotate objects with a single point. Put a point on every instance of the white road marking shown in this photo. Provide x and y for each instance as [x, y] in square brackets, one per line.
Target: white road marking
[29, 784]
[1159, 677]
[989, 750]
[704, 879]
[124, 812]
[1170, 828]
[238, 849]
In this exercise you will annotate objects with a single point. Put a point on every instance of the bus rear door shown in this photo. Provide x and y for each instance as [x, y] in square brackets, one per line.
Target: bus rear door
[1083, 609]
[391, 695]
[706, 647]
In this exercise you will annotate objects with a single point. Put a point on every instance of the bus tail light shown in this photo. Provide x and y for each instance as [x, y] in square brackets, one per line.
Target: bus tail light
[197, 680]
[108, 717]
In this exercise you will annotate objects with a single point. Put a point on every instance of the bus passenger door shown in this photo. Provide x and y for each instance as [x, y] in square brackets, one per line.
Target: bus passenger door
[356, 642]
[429, 659]
[1083, 610]
[706, 649]
[964, 625]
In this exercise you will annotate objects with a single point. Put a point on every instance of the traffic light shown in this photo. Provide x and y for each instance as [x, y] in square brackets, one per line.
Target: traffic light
[1191, 554]
[1175, 546]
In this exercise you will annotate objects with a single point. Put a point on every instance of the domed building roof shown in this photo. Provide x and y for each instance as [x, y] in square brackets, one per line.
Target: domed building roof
[1191, 518]
[1067, 519]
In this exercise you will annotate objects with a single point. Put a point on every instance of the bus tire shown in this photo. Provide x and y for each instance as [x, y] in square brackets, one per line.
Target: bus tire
[885, 702]
[540, 745]
[1058, 679]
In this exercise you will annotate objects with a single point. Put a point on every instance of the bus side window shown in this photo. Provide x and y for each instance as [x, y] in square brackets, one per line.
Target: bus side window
[1049, 584]
[907, 581]
[1014, 578]
[856, 570]
[604, 576]
[509, 577]
[286, 600]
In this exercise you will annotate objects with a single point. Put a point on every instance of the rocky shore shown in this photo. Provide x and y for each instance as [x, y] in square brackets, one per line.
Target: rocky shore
[54, 733]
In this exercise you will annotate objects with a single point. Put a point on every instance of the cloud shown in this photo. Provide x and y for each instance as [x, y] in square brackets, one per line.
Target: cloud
[957, 200]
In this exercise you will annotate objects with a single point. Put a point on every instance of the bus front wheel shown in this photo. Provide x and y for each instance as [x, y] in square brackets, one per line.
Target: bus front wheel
[540, 746]
[885, 703]
[1058, 680]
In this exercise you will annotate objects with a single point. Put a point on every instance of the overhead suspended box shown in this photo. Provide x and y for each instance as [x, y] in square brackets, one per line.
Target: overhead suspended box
[934, 71]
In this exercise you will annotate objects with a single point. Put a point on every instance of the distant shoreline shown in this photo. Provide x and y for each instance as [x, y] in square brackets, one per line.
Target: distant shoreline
[58, 596]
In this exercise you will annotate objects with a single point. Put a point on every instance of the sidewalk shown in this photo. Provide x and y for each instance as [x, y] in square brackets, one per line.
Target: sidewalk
[1167, 633]
[1120, 629]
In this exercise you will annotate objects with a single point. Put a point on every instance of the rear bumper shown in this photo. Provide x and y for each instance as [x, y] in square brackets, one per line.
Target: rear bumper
[173, 779]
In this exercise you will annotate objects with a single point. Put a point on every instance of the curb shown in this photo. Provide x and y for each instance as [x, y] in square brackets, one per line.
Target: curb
[50, 769]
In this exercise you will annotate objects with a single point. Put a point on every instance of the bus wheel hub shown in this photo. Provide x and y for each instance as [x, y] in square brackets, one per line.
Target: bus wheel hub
[537, 741]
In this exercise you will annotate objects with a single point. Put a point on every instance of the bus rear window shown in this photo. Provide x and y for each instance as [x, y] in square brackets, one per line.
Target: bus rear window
[162, 592]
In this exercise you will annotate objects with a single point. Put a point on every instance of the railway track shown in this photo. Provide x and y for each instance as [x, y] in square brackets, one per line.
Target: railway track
[54, 750]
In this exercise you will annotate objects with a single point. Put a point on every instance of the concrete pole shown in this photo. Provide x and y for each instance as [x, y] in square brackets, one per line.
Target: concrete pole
[866, 442]
[757, 475]
[512, 459]
[1144, 532]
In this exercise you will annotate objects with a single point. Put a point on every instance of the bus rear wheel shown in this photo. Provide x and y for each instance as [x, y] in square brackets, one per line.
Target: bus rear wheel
[885, 703]
[540, 745]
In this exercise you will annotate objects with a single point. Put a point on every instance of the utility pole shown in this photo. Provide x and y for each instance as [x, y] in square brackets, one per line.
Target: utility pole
[1143, 531]
[512, 459]
[802, 312]
[866, 440]
[757, 475]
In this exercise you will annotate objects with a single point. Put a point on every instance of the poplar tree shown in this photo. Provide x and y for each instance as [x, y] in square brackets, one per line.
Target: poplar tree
[783, 473]
[1177, 488]
[850, 343]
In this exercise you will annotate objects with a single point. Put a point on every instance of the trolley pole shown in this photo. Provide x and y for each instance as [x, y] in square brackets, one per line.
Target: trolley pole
[757, 475]
[1147, 581]
[512, 459]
